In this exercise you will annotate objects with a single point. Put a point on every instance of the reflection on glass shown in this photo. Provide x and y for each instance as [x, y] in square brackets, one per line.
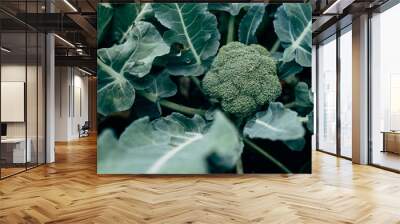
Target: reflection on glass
[327, 96]
[14, 150]
[22, 91]
[346, 94]
[31, 101]
[385, 84]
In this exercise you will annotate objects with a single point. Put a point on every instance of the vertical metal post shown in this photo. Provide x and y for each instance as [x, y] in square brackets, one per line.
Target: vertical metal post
[0, 92]
[369, 79]
[338, 80]
[26, 86]
[317, 97]
[360, 90]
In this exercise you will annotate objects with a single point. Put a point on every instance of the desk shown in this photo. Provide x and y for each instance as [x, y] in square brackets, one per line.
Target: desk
[16, 147]
[391, 141]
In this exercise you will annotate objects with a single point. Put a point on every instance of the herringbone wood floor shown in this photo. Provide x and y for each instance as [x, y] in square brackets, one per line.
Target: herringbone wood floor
[69, 191]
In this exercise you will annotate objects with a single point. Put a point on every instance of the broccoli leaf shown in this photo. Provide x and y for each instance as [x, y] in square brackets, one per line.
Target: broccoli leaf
[310, 122]
[173, 144]
[114, 92]
[288, 69]
[122, 63]
[192, 26]
[162, 87]
[125, 22]
[296, 145]
[250, 22]
[124, 15]
[277, 123]
[303, 103]
[104, 15]
[232, 8]
[293, 26]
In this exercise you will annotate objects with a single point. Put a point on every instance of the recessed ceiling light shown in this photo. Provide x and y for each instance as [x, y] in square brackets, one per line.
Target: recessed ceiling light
[327, 11]
[64, 40]
[5, 50]
[70, 5]
[84, 71]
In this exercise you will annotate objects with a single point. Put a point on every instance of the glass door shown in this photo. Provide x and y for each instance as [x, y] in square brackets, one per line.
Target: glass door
[14, 153]
[327, 128]
[346, 92]
[22, 93]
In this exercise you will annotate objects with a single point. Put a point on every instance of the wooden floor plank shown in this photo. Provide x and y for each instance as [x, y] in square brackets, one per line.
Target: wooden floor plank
[70, 191]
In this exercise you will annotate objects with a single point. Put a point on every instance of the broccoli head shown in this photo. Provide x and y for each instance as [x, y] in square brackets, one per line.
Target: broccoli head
[242, 78]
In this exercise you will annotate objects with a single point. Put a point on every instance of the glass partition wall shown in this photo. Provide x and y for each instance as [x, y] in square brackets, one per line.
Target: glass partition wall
[22, 77]
[327, 131]
[346, 71]
[385, 89]
[334, 94]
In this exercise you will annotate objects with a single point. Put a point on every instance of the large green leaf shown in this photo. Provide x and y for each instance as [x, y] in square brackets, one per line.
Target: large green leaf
[114, 92]
[162, 86]
[128, 15]
[277, 123]
[303, 103]
[310, 121]
[232, 8]
[293, 26]
[250, 22]
[104, 15]
[288, 69]
[124, 15]
[171, 145]
[125, 62]
[191, 25]
[296, 145]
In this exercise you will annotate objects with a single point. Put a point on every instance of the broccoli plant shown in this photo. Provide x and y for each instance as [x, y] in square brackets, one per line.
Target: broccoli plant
[195, 88]
[243, 78]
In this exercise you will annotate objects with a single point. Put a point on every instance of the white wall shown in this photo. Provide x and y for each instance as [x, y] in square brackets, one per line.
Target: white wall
[314, 90]
[33, 126]
[71, 94]
[17, 73]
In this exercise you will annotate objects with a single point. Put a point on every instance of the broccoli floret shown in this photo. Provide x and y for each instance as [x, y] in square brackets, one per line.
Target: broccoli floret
[242, 78]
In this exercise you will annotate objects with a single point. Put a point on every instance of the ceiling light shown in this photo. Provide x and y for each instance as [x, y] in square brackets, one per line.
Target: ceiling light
[5, 50]
[70, 5]
[84, 71]
[65, 41]
[327, 11]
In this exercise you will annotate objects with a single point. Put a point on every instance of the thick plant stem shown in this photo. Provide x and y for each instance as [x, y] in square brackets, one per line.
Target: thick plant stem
[266, 155]
[171, 105]
[142, 12]
[275, 47]
[239, 166]
[197, 82]
[231, 29]
[290, 105]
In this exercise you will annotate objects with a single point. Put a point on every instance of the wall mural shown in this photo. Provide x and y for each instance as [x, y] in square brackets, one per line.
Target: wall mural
[197, 88]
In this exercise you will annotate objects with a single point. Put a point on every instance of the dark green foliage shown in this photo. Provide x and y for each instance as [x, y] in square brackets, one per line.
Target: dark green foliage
[204, 88]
